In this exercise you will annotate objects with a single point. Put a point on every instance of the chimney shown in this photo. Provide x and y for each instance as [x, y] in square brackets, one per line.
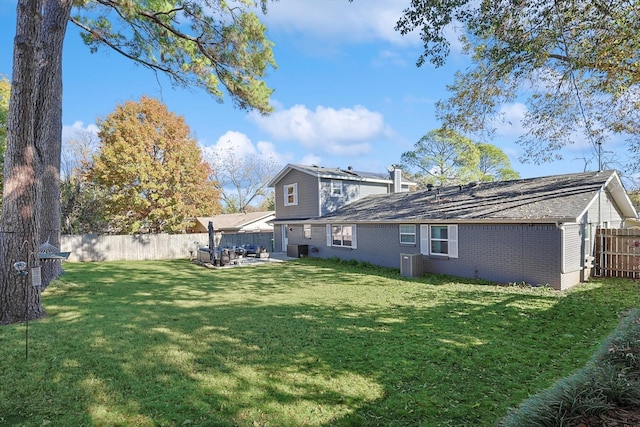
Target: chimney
[397, 180]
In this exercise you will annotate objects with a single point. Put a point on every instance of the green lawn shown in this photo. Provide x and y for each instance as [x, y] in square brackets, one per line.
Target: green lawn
[302, 343]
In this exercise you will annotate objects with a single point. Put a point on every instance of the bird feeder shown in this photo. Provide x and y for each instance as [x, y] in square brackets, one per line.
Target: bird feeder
[49, 251]
[46, 251]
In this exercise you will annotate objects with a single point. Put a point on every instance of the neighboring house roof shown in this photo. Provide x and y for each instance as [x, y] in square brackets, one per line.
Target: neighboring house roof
[249, 221]
[559, 198]
[337, 173]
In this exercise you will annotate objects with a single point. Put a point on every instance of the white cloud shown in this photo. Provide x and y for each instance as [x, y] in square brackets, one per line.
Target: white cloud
[266, 148]
[76, 128]
[311, 159]
[234, 141]
[340, 20]
[346, 131]
[242, 146]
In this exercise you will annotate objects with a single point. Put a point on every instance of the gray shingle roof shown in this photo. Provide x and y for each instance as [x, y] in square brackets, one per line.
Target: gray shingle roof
[234, 221]
[546, 199]
[338, 173]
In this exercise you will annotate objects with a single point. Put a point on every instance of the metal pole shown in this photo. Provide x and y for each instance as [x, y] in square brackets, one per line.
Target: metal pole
[212, 245]
[26, 315]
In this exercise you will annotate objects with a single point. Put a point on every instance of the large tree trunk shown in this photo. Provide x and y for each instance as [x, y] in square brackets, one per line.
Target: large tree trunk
[18, 226]
[48, 128]
[31, 197]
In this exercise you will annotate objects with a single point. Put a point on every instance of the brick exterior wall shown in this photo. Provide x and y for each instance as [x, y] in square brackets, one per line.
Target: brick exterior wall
[503, 253]
[538, 254]
[376, 244]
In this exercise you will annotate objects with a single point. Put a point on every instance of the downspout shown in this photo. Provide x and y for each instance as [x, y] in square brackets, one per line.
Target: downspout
[599, 226]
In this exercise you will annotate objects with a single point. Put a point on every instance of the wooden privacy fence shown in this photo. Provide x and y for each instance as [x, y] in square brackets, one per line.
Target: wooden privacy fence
[138, 247]
[618, 253]
[134, 247]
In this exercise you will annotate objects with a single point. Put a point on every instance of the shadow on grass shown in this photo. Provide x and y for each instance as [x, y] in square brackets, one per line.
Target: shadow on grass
[297, 344]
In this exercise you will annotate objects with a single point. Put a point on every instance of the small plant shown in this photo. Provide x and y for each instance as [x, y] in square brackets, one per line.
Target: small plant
[519, 285]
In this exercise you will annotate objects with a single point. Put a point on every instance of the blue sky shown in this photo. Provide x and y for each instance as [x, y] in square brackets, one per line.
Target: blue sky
[347, 91]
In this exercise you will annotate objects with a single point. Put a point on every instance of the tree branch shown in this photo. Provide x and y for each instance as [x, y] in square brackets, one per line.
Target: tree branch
[104, 40]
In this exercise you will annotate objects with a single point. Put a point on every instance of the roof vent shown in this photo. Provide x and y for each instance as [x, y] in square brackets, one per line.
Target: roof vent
[429, 187]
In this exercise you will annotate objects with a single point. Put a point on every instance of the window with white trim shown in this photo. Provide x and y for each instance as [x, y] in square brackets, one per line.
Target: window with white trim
[439, 240]
[408, 234]
[336, 188]
[341, 235]
[291, 194]
[306, 231]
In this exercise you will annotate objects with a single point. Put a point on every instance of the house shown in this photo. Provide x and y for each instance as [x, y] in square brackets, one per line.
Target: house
[239, 229]
[538, 231]
[304, 192]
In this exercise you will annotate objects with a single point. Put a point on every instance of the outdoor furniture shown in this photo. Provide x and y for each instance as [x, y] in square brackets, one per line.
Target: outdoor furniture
[254, 250]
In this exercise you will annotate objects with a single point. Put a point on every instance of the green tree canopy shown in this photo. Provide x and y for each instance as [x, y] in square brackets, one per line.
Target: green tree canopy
[208, 44]
[494, 165]
[575, 64]
[151, 170]
[444, 157]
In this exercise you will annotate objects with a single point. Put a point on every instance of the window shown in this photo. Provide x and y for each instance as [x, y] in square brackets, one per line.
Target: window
[290, 194]
[306, 231]
[439, 240]
[408, 234]
[336, 188]
[341, 235]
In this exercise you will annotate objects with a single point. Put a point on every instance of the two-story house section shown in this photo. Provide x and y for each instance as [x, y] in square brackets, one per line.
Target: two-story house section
[303, 192]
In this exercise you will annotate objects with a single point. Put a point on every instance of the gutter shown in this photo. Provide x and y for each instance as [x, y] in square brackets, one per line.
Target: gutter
[531, 221]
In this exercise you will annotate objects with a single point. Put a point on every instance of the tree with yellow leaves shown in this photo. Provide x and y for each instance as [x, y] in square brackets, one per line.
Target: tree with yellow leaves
[151, 170]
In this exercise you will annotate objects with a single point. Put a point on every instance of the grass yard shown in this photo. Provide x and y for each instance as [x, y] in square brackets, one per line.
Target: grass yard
[303, 343]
